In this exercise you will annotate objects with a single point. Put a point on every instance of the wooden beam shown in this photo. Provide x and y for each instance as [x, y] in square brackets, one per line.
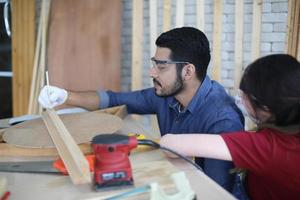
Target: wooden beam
[32, 95]
[200, 15]
[153, 36]
[293, 29]
[167, 15]
[23, 44]
[290, 26]
[180, 13]
[73, 158]
[153, 25]
[217, 40]
[37, 81]
[297, 31]
[137, 45]
[238, 42]
[256, 29]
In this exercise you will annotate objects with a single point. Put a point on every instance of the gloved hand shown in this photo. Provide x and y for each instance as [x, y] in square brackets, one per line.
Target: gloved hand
[51, 96]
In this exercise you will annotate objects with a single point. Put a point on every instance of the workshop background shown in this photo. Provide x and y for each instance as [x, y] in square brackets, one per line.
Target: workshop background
[260, 27]
[273, 33]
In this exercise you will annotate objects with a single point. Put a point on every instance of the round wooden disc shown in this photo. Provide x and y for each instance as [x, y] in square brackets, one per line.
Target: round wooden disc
[82, 126]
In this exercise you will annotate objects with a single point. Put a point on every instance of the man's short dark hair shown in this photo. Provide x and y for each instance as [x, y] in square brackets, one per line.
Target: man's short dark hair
[274, 81]
[187, 44]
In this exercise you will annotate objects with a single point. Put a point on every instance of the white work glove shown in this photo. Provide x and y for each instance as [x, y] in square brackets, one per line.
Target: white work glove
[51, 96]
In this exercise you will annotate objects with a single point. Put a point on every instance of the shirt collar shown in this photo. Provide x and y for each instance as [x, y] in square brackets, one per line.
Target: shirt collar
[197, 99]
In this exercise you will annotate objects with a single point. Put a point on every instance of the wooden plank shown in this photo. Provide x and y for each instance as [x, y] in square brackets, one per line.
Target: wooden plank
[180, 13]
[256, 29]
[217, 40]
[84, 51]
[32, 96]
[296, 32]
[153, 36]
[238, 42]
[23, 43]
[137, 45]
[73, 158]
[290, 26]
[167, 15]
[153, 25]
[200, 15]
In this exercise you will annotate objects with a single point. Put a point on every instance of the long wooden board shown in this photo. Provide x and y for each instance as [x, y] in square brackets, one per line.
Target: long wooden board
[74, 160]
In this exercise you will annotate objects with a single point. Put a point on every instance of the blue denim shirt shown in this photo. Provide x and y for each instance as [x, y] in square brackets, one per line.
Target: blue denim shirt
[211, 110]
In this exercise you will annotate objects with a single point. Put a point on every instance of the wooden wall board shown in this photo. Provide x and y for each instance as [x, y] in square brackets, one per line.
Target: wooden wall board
[84, 48]
[137, 45]
[23, 44]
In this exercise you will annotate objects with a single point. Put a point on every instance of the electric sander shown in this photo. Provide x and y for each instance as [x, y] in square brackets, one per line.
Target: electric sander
[112, 164]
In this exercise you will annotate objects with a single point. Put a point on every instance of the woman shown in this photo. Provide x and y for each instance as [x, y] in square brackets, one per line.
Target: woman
[270, 93]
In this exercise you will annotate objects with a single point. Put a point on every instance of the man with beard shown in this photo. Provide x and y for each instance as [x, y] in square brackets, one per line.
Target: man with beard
[184, 98]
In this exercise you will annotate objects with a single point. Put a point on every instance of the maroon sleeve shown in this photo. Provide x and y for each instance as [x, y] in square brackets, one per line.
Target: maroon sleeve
[250, 150]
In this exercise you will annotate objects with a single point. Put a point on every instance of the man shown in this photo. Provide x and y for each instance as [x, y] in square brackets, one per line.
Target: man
[183, 97]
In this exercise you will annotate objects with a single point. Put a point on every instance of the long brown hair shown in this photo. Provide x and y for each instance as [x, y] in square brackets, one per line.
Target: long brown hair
[274, 81]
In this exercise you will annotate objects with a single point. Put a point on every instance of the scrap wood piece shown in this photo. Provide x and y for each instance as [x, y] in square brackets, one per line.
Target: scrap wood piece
[73, 158]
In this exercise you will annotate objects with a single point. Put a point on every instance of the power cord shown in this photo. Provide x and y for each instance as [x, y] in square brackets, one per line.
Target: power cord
[158, 146]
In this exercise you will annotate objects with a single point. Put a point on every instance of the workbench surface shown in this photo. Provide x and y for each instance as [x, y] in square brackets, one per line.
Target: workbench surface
[44, 186]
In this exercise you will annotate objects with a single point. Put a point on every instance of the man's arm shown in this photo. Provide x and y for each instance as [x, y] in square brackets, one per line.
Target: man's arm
[51, 96]
[88, 100]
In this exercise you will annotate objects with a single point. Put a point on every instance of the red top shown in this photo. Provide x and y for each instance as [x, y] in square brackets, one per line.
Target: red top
[272, 160]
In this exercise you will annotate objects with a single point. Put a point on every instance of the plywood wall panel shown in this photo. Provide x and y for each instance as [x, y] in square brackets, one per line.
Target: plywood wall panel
[23, 44]
[84, 50]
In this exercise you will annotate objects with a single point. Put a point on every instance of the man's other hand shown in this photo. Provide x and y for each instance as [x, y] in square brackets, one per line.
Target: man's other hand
[51, 96]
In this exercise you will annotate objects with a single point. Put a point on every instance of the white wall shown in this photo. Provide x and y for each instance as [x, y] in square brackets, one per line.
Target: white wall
[273, 34]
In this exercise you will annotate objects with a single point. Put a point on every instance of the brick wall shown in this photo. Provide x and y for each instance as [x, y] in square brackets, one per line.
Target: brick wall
[273, 34]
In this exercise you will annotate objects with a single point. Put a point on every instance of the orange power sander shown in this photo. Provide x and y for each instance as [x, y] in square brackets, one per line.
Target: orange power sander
[112, 165]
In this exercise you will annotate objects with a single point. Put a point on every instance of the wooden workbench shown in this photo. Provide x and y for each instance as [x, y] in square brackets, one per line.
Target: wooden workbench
[150, 166]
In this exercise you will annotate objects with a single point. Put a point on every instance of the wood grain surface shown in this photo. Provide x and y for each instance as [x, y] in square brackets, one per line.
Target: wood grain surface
[84, 48]
[82, 126]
